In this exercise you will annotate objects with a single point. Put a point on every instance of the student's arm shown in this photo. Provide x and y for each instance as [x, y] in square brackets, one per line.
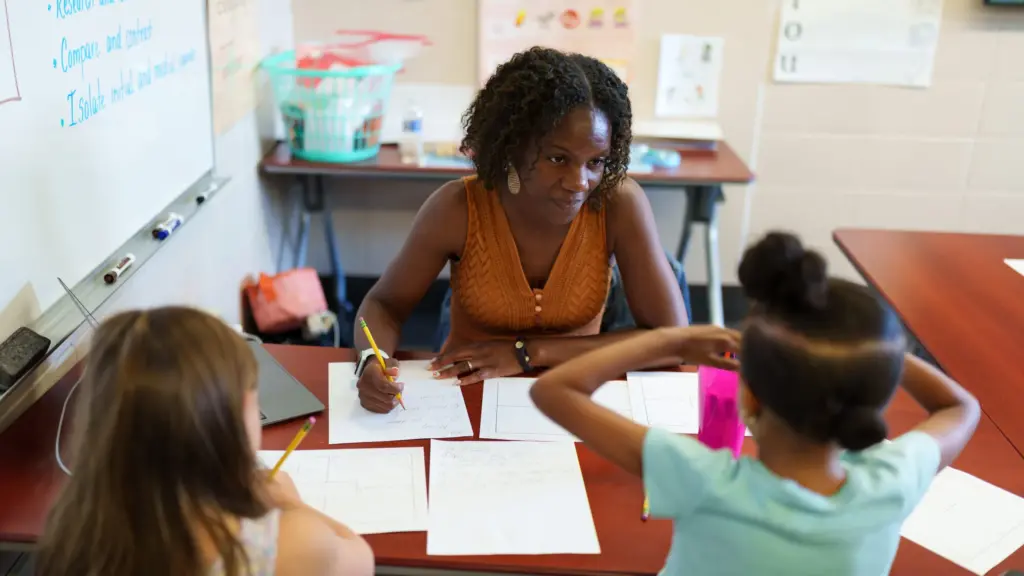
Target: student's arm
[652, 291]
[437, 233]
[311, 544]
[564, 393]
[952, 412]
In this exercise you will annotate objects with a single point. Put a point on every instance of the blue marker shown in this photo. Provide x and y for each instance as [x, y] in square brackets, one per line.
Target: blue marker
[168, 226]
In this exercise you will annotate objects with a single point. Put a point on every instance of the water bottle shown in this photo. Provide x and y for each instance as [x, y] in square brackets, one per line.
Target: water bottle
[410, 146]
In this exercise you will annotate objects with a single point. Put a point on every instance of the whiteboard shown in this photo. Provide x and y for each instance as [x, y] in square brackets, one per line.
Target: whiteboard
[104, 120]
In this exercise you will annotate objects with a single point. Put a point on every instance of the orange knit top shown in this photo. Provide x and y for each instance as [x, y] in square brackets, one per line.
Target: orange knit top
[491, 296]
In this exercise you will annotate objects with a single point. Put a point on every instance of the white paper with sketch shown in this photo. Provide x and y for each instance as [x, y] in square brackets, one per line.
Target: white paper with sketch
[886, 42]
[968, 521]
[433, 408]
[508, 498]
[1017, 265]
[671, 400]
[370, 490]
[508, 413]
[689, 69]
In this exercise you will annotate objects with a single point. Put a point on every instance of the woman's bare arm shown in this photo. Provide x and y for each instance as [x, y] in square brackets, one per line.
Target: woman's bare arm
[438, 232]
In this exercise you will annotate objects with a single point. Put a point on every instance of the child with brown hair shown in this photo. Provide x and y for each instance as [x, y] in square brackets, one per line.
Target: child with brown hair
[166, 480]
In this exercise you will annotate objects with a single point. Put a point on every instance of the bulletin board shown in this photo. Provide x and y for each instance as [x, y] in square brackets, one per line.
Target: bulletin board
[603, 29]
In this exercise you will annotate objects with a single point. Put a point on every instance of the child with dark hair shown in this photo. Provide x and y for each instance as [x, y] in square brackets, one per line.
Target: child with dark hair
[820, 359]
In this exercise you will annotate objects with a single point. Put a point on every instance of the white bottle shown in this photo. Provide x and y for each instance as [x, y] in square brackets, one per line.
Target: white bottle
[410, 145]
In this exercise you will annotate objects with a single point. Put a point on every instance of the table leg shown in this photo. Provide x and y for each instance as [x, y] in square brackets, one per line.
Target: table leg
[702, 208]
[302, 241]
[313, 203]
[331, 242]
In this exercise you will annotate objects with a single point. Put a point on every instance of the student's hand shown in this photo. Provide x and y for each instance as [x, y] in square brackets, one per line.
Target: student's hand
[474, 363]
[376, 394]
[282, 492]
[706, 345]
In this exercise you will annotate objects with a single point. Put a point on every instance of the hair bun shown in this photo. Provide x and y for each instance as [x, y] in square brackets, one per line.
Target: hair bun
[859, 428]
[779, 272]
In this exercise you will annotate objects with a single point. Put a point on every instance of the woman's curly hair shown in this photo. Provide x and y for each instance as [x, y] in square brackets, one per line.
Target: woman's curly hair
[528, 95]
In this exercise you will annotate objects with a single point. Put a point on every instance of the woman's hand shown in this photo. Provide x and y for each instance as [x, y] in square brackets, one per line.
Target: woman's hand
[707, 345]
[376, 394]
[474, 363]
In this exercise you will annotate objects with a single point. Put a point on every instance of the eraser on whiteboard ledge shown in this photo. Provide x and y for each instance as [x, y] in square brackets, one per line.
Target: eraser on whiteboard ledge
[19, 354]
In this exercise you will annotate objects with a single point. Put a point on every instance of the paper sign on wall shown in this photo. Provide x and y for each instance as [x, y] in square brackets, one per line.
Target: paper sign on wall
[888, 42]
[234, 55]
[689, 70]
[602, 29]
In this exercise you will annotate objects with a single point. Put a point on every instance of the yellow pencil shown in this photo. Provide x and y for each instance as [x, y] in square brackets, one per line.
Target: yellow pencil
[376, 351]
[295, 444]
[647, 509]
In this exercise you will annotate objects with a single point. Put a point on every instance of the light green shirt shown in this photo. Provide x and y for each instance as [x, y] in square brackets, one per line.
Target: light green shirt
[736, 518]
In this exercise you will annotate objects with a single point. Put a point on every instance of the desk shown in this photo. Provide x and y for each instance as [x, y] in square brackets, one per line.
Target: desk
[960, 300]
[29, 480]
[701, 175]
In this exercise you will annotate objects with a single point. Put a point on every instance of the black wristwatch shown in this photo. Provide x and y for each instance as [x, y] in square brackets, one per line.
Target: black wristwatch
[522, 355]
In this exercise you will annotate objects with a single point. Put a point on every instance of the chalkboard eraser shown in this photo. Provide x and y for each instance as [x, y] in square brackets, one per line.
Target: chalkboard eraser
[19, 354]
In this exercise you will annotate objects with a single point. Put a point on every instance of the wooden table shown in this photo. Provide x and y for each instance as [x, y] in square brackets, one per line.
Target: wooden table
[701, 176]
[29, 481]
[963, 304]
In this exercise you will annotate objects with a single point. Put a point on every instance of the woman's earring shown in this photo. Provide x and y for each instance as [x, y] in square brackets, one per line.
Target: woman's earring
[513, 180]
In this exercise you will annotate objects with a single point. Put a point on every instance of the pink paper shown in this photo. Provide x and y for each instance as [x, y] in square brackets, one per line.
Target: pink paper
[718, 409]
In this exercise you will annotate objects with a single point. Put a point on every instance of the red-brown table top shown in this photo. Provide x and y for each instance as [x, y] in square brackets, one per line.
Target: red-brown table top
[30, 480]
[719, 166]
[961, 301]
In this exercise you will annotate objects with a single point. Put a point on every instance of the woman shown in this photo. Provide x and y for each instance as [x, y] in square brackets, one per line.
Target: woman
[531, 238]
[165, 482]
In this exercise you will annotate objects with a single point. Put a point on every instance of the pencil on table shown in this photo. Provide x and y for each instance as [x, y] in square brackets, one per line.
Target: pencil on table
[380, 358]
[294, 444]
[647, 509]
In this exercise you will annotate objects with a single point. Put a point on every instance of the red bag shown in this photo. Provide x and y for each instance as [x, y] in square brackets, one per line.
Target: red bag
[283, 302]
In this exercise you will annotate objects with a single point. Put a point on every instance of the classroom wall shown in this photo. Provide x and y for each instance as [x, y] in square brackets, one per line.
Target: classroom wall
[826, 157]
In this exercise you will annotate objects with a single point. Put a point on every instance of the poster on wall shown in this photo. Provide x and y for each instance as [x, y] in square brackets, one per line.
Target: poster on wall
[884, 42]
[234, 29]
[689, 70]
[602, 29]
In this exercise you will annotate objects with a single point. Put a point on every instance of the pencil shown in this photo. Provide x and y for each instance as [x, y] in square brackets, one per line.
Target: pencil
[376, 351]
[647, 509]
[295, 444]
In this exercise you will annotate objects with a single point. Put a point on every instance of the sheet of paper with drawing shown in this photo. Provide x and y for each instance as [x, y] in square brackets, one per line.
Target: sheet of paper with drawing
[508, 412]
[371, 490]
[433, 408]
[670, 400]
[508, 498]
[968, 521]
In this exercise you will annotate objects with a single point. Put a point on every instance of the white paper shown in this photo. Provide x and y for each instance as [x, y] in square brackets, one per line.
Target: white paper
[671, 400]
[370, 490]
[689, 70]
[889, 42]
[433, 408]
[508, 498]
[508, 413]
[1017, 265]
[968, 521]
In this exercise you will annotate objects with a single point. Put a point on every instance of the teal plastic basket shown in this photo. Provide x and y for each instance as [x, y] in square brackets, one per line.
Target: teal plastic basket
[331, 115]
